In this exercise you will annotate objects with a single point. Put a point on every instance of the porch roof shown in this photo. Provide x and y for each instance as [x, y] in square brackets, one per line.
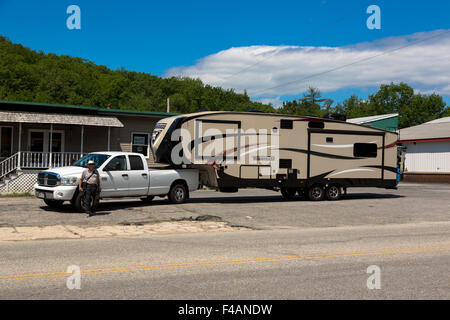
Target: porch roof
[51, 118]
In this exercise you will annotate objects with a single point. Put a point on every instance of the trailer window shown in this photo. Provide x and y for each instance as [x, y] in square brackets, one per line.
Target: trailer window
[286, 124]
[365, 150]
[136, 163]
[285, 163]
[316, 124]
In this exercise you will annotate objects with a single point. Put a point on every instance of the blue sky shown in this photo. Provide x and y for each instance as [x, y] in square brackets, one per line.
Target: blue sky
[163, 37]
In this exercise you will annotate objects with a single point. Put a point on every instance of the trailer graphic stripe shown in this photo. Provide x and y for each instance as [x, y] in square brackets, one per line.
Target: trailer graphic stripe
[320, 154]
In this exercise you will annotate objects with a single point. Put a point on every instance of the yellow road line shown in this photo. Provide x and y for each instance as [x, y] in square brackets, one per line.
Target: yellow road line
[224, 262]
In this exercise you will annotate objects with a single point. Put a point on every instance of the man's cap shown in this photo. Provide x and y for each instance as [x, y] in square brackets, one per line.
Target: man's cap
[91, 162]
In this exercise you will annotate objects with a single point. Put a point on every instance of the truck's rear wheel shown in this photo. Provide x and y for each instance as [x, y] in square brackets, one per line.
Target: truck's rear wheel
[54, 203]
[288, 193]
[178, 194]
[333, 192]
[316, 192]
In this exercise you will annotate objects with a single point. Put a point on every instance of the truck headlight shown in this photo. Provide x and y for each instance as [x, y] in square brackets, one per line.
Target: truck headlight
[69, 181]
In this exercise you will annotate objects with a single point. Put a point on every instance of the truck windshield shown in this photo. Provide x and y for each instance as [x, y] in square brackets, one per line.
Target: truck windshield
[99, 159]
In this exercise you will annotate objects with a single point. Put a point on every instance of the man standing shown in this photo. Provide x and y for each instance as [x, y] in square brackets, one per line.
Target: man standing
[90, 185]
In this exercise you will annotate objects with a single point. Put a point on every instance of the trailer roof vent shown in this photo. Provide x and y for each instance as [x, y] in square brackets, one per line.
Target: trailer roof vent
[335, 116]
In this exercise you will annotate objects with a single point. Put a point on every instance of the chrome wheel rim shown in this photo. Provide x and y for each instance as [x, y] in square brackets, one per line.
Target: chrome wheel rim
[333, 192]
[179, 194]
[316, 192]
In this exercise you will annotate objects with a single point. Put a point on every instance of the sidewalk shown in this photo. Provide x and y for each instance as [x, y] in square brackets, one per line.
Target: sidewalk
[79, 232]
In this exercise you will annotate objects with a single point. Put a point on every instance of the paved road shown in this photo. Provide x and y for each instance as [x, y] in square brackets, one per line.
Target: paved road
[258, 209]
[269, 264]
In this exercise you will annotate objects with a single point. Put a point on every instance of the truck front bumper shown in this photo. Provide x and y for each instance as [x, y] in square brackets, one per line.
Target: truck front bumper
[63, 193]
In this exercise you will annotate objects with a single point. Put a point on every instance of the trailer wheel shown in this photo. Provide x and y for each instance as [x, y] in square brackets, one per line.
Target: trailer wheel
[288, 193]
[316, 193]
[333, 192]
[178, 194]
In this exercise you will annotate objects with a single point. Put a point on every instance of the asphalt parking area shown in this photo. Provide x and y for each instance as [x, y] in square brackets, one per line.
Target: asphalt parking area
[253, 208]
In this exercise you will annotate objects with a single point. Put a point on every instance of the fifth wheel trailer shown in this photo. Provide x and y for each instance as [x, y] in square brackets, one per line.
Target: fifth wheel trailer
[304, 155]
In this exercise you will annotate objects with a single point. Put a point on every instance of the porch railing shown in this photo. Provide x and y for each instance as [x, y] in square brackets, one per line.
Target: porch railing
[37, 160]
[44, 160]
[9, 165]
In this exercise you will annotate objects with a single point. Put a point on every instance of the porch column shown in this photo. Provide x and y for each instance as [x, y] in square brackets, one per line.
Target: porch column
[51, 146]
[82, 138]
[109, 138]
[19, 148]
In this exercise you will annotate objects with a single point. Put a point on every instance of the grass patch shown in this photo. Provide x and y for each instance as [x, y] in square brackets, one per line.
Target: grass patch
[16, 195]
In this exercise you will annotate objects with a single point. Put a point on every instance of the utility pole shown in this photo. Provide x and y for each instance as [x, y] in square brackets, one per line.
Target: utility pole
[168, 105]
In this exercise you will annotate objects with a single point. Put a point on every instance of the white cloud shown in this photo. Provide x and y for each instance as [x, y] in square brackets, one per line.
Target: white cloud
[425, 66]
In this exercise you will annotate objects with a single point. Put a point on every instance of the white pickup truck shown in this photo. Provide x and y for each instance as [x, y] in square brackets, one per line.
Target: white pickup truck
[122, 174]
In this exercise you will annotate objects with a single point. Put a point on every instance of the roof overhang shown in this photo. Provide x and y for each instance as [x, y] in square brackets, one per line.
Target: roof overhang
[53, 118]
[424, 140]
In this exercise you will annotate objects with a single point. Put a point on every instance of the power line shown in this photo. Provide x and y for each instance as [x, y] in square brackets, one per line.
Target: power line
[352, 63]
[351, 13]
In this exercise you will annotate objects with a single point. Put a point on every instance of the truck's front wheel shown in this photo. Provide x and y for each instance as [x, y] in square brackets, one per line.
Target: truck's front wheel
[178, 194]
[54, 203]
[77, 202]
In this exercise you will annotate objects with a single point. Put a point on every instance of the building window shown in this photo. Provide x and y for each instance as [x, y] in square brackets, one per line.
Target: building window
[140, 143]
[365, 150]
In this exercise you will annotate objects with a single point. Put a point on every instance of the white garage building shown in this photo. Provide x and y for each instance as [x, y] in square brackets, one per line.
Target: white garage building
[427, 156]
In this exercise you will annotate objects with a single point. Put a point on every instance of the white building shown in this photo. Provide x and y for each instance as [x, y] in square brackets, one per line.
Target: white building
[427, 155]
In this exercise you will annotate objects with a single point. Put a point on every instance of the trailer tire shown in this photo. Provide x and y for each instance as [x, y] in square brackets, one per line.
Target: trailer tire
[316, 192]
[333, 192]
[178, 193]
[54, 203]
[288, 193]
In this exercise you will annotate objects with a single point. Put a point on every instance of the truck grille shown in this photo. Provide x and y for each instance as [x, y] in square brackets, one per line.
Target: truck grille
[48, 179]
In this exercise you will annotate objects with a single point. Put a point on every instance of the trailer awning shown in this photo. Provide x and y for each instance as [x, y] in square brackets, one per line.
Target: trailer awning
[53, 118]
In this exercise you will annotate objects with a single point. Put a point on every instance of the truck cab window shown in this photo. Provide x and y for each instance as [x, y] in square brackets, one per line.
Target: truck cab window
[136, 163]
[118, 163]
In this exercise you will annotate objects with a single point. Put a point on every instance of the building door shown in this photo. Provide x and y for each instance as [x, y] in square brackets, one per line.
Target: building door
[37, 141]
[6, 140]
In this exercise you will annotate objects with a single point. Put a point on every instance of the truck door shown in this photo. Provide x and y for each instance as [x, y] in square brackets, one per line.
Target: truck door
[139, 176]
[115, 178]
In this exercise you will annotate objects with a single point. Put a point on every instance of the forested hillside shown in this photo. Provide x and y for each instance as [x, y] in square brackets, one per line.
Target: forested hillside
[27, 75]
